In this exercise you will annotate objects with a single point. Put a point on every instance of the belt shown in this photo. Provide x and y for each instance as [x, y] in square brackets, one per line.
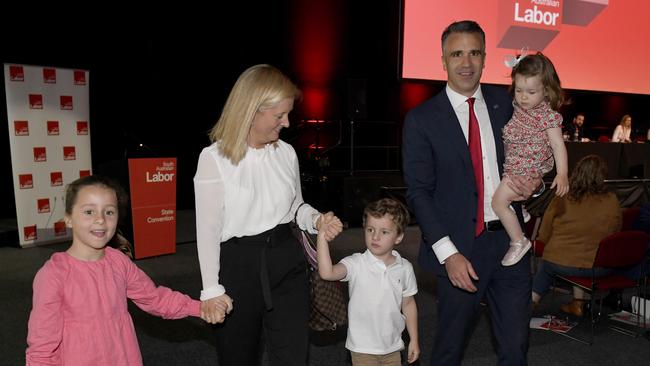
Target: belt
[267, 239]
[494, 225]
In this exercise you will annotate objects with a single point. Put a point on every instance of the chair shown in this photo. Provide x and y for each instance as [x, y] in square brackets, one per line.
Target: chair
[603, 138]
[629, 217]
[621, 249]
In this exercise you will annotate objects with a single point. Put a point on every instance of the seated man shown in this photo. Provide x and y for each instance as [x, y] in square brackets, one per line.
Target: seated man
[575, 129]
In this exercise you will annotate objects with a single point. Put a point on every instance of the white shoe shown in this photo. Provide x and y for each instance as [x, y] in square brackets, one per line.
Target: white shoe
[517, 251]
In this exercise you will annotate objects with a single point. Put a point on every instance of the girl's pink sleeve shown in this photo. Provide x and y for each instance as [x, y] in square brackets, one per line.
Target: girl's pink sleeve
[45, 326]
[157, 300]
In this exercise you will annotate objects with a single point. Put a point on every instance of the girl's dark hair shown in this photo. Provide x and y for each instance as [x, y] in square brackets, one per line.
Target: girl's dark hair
[72, 191]
[587, 178]
[384, 206]
[540, 65]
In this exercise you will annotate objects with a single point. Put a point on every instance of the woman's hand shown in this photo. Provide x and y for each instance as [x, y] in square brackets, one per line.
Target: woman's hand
[214, 310]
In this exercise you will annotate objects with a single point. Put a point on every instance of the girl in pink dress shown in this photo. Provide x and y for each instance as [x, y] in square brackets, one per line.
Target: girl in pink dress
[79, 314]
[533, 138]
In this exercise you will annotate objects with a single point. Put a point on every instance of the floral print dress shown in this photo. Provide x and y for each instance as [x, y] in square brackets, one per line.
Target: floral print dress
[527, 146]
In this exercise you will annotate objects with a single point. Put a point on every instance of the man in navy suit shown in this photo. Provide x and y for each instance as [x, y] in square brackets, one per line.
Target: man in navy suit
[442, 191]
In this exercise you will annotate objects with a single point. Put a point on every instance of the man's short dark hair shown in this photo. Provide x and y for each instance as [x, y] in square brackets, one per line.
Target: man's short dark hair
[463, 26]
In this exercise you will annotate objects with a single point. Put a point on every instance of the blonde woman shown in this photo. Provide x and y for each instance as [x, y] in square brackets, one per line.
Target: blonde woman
[247, 189]
[622, 132]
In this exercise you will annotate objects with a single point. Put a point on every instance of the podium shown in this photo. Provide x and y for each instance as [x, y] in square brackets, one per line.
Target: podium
[152, 182]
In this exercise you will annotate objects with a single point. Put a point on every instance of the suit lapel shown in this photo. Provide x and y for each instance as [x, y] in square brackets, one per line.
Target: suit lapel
[455, 134]
[496, 114]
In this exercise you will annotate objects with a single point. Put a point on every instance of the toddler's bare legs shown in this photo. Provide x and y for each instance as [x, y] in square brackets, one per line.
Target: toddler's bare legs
[519, 244]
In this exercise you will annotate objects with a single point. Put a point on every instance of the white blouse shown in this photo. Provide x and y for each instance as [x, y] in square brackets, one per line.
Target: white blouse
[621, 134]
[259, 193]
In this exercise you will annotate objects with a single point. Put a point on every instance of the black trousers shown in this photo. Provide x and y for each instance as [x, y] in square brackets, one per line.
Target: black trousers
[266, 276]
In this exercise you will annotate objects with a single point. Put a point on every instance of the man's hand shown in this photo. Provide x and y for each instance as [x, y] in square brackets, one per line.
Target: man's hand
[214, 310]
[460, 272]
[524, 187]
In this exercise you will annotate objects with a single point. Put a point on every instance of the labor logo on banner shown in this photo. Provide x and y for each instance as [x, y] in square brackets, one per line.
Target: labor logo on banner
[21, 128]
[43, 205]
[52, 128]
[26, 181]
[49, 75]
[40, 154]
[79, 77]
[533, 24]
[153, 205]
[82, 127]
[56, 179]
[16, 73]
[35, 101]
[69, 153]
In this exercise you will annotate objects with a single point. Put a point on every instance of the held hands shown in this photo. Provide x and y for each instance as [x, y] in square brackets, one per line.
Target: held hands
[413, 352]
[524, 187]
[561, 185]
[214, 310]
[328, 226]
[460, 272]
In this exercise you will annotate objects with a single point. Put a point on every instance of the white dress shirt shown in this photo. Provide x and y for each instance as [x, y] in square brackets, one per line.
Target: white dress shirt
[259, 193]
[444, 247]
[621, 134]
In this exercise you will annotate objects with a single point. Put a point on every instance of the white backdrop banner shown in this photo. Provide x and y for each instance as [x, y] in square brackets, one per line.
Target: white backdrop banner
[49, 136]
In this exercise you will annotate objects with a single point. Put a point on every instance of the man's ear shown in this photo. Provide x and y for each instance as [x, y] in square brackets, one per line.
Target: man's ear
[68, 221]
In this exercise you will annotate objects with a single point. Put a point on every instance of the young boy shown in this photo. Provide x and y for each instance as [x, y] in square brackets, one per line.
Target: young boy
[381, 284]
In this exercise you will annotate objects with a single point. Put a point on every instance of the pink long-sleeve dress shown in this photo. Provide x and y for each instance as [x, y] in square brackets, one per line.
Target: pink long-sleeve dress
[80, 316]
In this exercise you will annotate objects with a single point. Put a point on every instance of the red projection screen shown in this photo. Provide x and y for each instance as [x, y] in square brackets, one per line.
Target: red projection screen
[601, 45]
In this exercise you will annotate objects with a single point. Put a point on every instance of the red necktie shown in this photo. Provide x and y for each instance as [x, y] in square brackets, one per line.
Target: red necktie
[474, 143]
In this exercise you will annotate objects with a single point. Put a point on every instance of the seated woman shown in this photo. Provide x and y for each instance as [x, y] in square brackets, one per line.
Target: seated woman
[572, 228]
[623, 132]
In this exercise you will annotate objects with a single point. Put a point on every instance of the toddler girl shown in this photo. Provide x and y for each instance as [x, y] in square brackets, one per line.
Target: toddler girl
[533, 138]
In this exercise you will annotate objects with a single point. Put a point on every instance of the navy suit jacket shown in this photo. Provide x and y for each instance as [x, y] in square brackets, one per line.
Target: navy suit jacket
[438, 171]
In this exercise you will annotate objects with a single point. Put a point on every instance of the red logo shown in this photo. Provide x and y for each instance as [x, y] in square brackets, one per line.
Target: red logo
[43, 205]
[29, 232]
[53, 128]
[49, 76]
[35, 101]
[56, 179]
[16, 73]
[60, 228]
[79, 77]
[69, 153]
[21, 128]
[25, 181]
[40, 154]
[66, 102]
[84, 173]
[82, 127]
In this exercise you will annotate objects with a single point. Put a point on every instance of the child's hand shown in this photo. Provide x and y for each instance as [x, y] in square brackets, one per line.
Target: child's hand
[414, 352]
[329, 226]
[561, 185]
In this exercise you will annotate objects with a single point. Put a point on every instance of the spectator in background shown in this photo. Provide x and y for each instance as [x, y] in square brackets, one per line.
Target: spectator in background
[575, 129]
[623, 132]
[573, 226]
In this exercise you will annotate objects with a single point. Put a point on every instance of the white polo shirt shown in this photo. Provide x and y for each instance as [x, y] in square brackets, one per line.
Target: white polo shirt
[375, 314]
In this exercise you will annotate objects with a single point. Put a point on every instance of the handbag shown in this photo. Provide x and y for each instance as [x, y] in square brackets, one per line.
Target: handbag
[328, 305]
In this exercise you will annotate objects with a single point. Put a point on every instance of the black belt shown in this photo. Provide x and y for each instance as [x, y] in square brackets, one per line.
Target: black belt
[494, 225]
[269, 238]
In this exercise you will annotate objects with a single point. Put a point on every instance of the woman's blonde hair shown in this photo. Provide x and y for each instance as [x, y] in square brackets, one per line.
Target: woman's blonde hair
[624, 118]
[259, 87]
